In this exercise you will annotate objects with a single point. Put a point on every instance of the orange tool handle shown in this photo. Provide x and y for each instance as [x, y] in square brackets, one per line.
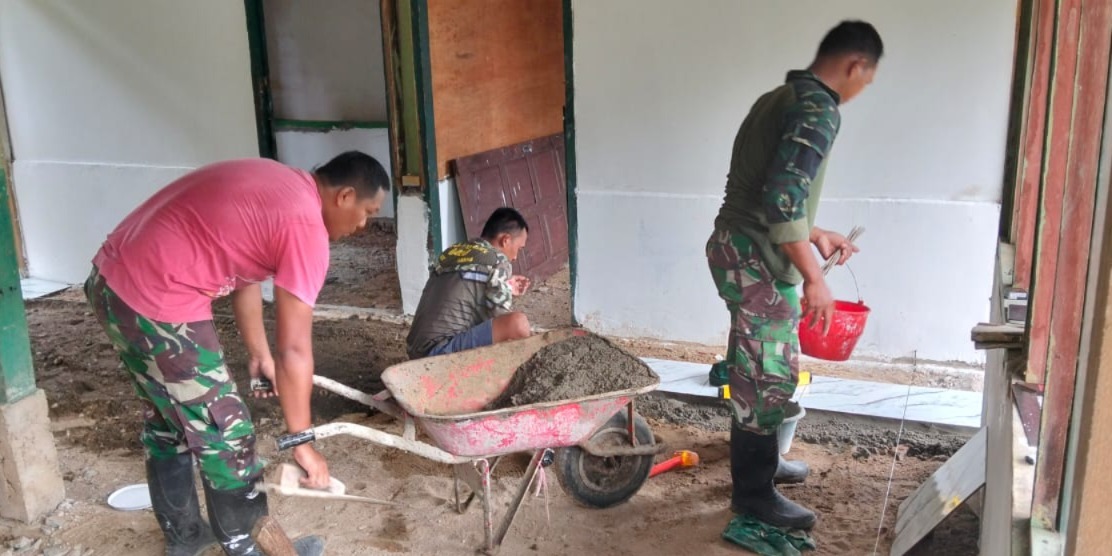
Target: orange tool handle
[681, 459]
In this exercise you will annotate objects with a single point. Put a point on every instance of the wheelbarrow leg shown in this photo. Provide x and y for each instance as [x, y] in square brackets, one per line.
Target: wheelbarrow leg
[468, 474]
[629, 425]
[455, 481]
[483, 467]
[541, 458]
[477, 476]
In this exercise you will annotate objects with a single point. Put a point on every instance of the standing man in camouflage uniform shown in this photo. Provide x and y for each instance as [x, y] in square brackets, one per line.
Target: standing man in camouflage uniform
[761, 250]
[219, 230]
[466, 302]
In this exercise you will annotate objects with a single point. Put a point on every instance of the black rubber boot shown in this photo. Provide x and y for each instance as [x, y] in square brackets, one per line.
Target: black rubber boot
[174, 500]
[788, 471]
[233, 514]
[753, 463]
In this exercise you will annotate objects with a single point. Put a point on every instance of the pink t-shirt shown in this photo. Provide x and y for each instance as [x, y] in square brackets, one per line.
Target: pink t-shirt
[215, 229]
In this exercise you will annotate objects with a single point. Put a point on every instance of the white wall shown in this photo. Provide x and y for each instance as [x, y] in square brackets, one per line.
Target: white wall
[413, 233]
[326, 59]
[413, 250]
[326, 63]
[107, 102]
[307, 150]
[452, 228]
[918, 162]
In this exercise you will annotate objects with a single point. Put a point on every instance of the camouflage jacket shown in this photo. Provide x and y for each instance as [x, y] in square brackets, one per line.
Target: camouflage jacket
[779, 158]
[468, 285]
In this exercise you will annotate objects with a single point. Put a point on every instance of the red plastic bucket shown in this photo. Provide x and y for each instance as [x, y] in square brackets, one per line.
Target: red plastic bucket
[845, 329]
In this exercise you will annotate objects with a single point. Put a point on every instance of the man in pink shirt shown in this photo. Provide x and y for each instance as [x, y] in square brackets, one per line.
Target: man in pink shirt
[219, 230]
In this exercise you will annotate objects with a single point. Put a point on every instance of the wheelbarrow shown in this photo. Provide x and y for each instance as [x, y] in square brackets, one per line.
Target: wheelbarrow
[602, 450]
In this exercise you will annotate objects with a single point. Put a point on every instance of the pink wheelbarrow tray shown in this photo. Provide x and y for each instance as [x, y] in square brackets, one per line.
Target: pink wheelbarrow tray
[602, 450]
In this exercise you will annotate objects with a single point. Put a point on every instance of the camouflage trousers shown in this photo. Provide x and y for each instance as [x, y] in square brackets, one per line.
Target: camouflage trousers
[190, 403]
[763, 353]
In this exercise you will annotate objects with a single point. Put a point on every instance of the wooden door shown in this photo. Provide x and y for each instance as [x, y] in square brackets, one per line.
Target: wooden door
[529, 177]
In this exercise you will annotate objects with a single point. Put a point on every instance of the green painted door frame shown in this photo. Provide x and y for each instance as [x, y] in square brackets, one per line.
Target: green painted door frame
[417, 121]
[423, 75]
[260, 78]
[569, 156]
[17, 374]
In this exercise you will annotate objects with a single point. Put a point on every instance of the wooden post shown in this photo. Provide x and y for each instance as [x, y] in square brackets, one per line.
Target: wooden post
[17, 378]
[1066, 228]
[1087, 517]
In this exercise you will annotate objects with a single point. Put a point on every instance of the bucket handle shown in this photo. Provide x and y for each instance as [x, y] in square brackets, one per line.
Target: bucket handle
[855, 285]
[853, 235]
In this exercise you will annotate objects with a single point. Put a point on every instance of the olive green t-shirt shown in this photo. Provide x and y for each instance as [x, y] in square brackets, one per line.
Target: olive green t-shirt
[779, 157]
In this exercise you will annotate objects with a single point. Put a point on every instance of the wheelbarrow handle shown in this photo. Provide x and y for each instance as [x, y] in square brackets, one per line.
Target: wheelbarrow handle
[288, 441]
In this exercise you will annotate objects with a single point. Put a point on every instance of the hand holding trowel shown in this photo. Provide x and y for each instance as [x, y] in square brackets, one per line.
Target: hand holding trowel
[286, 481]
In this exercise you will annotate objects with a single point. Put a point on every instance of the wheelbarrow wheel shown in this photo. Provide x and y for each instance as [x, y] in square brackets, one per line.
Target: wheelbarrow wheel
[602, 482]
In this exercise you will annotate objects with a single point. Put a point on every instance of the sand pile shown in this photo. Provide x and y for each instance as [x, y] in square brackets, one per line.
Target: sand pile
[574, 368]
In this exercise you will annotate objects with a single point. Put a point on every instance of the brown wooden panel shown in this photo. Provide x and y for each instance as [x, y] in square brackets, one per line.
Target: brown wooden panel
[1032, 141]
[1055, 161]
[497, 73]
[529, 177]
[519, 184]
[1090, 511]
[1079, 196]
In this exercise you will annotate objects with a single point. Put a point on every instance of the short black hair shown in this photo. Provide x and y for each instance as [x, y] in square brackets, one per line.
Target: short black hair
[358, 170]
[504, 221]
[852, 37]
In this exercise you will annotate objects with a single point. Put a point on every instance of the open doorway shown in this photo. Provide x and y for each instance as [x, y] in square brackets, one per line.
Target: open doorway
[322, 90]
[502, 121]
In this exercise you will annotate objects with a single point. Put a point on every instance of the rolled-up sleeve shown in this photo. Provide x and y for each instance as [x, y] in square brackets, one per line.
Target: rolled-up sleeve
[810, 126]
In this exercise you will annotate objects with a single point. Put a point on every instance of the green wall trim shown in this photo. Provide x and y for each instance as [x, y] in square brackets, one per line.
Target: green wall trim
[17, 374]
[260, 77]
[286, 124]
[423, 83]
[569, 156]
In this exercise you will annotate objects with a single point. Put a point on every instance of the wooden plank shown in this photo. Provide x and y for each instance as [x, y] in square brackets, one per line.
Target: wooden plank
[949, 486]
[390, 61]
[1087, 490]
[1030, 410]
[1079, 196]
[13, 204]
[1056, 157]
[996, 521]
[1000, 345]
[1091, 506]
[1033, 137]
[997, 333]
[497, 74]
[17, 376]
[1024, 38]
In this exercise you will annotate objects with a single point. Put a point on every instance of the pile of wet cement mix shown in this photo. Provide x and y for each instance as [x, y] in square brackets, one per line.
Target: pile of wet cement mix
[575, 368]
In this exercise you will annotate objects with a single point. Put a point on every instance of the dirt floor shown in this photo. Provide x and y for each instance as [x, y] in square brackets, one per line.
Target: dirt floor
[548, 304]
[363, 271]
[96, 423]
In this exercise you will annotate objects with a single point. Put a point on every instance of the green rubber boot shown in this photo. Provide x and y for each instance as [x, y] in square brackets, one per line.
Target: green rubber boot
[719, 374]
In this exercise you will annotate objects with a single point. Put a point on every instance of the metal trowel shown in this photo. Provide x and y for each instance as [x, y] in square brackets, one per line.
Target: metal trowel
[286, 481]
